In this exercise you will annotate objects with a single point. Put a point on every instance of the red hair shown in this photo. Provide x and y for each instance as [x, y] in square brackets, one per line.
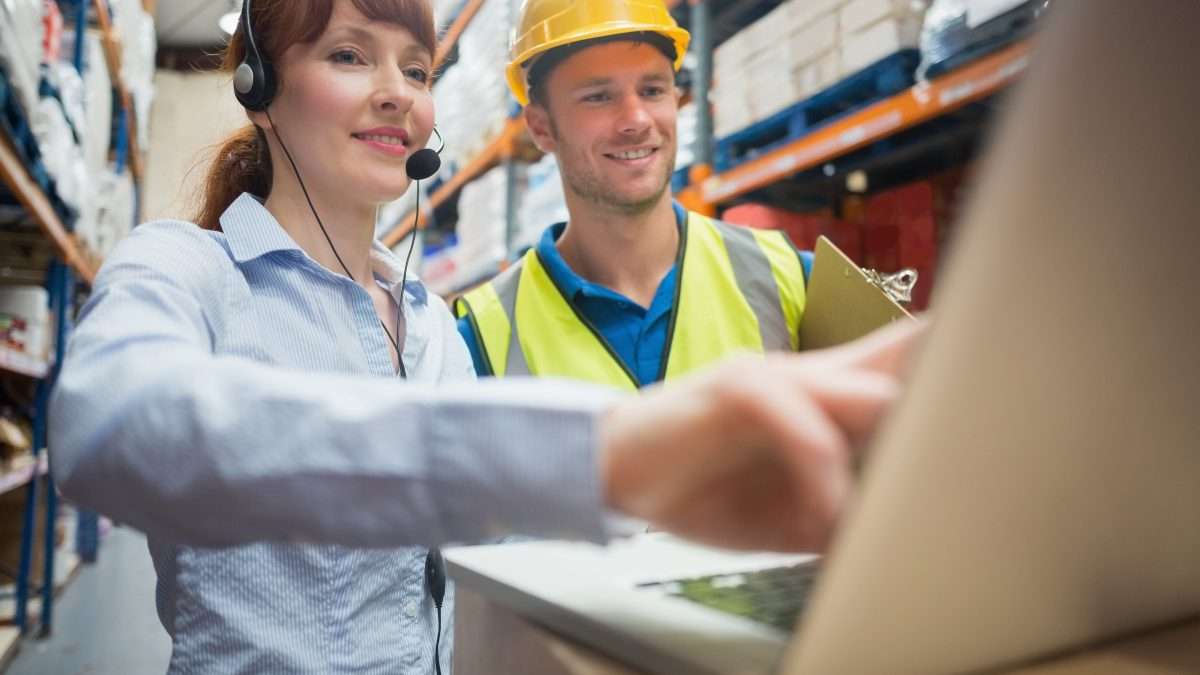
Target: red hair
[243, 161]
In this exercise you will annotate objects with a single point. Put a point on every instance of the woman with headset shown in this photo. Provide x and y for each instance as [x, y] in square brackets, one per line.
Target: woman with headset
[292, 419]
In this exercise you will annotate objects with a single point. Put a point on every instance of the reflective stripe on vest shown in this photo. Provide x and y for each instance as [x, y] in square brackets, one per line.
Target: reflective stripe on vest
[738, 290]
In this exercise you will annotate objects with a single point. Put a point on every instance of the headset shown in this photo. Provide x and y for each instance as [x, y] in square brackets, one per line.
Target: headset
[255, 85]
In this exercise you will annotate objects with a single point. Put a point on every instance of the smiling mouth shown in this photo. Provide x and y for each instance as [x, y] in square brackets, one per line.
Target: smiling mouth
[632, 154]
[379, 138]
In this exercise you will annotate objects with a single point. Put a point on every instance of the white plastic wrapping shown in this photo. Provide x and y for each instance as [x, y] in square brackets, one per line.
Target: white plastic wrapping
[114, 217]
[69, 85]
[953, 27]
[21, 33]
[138, 47]
[542, 203]
[472, 96]
[61, 156]
[482, 217]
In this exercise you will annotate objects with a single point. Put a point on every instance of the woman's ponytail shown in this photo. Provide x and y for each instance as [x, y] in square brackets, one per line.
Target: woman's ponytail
[242, 164]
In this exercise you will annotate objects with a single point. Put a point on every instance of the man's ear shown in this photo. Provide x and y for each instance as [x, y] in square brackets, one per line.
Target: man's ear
[537, 119]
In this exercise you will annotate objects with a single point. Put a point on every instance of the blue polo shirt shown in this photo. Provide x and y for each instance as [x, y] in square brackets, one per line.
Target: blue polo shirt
[637, 334]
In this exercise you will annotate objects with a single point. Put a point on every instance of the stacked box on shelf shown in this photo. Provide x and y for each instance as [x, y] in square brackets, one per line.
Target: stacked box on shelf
[873, 29]
[25, 323]
[802, 49]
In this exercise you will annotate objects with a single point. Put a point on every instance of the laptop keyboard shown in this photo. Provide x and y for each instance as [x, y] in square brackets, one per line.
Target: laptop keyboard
[772, 596]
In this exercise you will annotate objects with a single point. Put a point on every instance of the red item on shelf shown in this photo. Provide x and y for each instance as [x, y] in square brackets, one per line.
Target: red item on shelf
[802, 228]
[52, 23]
[900, 230]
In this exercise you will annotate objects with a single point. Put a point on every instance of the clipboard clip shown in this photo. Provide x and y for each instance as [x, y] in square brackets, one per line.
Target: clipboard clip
[897, 286]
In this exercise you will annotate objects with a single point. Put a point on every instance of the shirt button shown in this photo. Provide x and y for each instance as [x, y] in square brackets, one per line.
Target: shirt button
[410, 610]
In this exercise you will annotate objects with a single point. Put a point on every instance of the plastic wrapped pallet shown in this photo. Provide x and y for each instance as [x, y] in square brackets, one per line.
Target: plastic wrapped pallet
[115, 209]
[444, 11]
[542, 204]
[483, 218]
[138, 47]
[21, 34]
[956, 27]
[61, 156]
[872, 43]
[97, 93]
[472, 96]
[801, 48]
[685, 136]
[67, 82]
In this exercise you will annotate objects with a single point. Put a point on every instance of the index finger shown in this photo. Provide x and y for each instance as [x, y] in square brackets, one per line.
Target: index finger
[885, 350]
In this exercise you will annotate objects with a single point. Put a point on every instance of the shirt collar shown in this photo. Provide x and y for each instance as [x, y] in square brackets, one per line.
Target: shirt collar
[253, 232]
[570, 283]
[388, 267]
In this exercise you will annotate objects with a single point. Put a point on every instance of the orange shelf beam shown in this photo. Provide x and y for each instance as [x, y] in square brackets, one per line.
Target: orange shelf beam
[500, 148]
[112, 54]
[455, 31]
[916, 105]
[21, 184]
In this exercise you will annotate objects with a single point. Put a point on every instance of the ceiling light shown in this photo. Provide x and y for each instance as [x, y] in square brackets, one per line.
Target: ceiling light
[229, 21]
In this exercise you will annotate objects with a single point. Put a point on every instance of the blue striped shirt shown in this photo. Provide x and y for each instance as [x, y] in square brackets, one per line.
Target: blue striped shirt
[235, 400]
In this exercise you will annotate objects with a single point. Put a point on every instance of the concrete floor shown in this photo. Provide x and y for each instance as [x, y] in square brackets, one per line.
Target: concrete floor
[104, 620]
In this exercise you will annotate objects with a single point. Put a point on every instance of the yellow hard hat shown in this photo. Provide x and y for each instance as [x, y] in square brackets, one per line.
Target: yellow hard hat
[546, 24]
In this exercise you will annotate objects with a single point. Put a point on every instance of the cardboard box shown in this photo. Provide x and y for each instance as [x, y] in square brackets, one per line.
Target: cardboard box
[857, 15]
[887, 37]
[820, 74]
[804, 12]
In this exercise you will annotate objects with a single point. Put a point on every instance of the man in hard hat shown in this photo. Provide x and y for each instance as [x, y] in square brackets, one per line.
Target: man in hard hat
[633, 289]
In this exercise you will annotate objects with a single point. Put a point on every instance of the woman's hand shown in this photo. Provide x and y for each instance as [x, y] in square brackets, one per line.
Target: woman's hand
[756, 452]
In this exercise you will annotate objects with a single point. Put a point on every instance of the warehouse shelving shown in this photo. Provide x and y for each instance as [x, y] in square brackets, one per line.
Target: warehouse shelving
[920, 103]
[20, 183]
[454, 31]
[500, 148]
[72, 261]
[112, 54]
[23, 471]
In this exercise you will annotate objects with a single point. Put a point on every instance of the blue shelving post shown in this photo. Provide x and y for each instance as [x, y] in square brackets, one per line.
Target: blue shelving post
[61, 284]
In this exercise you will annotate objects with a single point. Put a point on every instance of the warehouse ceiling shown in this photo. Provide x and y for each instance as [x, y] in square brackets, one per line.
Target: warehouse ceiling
[184, 24]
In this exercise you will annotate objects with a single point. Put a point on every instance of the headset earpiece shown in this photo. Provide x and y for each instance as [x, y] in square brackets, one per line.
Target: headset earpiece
[254, 80]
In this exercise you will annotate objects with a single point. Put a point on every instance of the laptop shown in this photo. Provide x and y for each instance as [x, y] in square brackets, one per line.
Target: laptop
[1037, 489]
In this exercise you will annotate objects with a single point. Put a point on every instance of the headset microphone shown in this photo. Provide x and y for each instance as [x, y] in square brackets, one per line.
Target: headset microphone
[425, 162]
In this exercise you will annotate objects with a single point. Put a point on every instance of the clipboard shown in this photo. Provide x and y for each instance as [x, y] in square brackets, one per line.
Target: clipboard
[844, 302]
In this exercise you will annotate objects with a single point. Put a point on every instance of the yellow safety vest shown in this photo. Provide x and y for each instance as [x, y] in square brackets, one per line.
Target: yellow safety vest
[739, 289]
